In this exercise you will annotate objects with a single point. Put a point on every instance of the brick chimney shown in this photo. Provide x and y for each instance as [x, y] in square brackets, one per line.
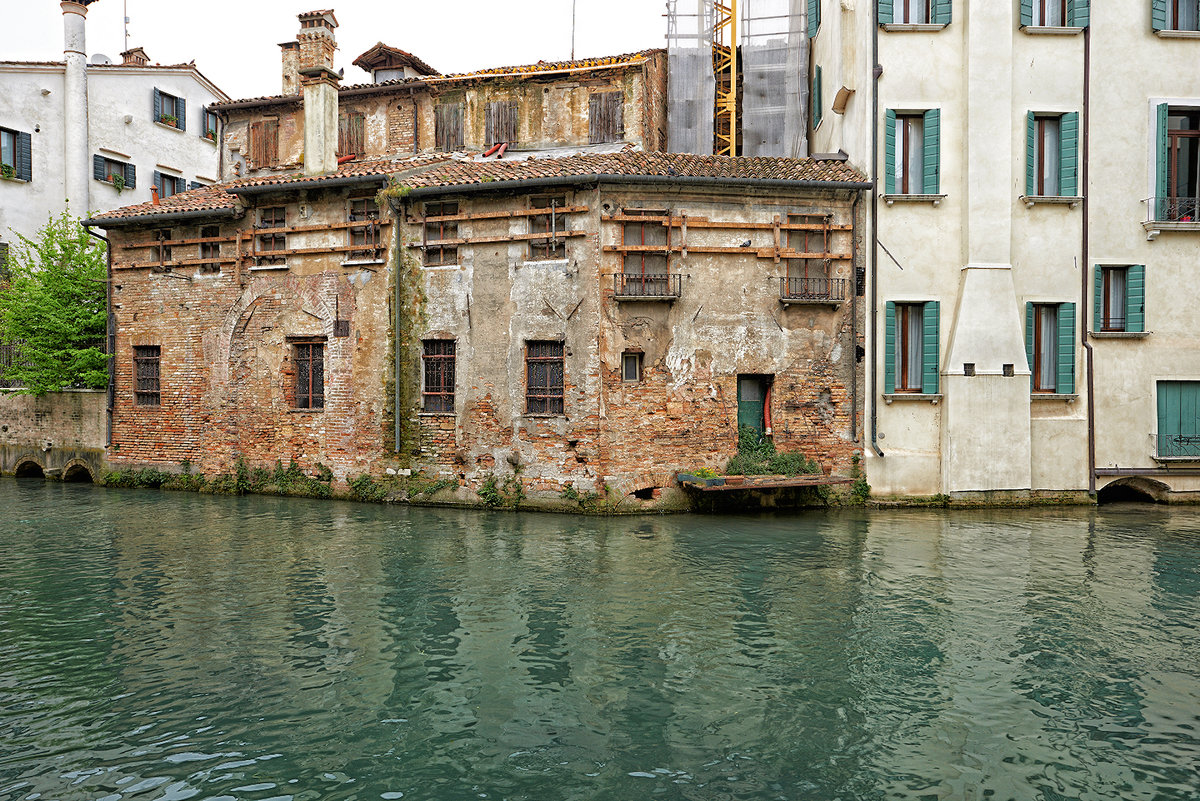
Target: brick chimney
[319, 83]
[135, 58]
[291, 67]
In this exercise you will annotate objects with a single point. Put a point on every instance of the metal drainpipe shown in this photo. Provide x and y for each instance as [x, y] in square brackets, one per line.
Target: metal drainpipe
[109, 340]
[1089, 353]
[873, 277]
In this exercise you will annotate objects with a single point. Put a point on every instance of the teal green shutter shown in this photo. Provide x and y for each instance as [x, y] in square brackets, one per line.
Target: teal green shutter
[1158, 14]
[1168, 415]
[181, 113]
[1065, 383]
[816, 97]
[157, 106]
[883, 10]
[889, 139]
[889, 349]
[24, 165]
[130, 176]
[929, 348]
[1026, 12]
[1078, 13]
[932, 156]
[1030, 155]
[814, 17]
[941, 12]
[1068, 155]
[1162, 184]
[1029, 341]
[158, 182]
[1135, 298]
[98, 168]
[1098, 300]
[1179, 416]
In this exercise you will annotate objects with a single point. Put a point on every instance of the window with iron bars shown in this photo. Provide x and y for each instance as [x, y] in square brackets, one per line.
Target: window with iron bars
[268, 218]
[809, 277]
[551, 223]
[645, 272]
[310, 374]
[147, 390]
[438, 231]
[543, 377]
[364, 209]
[210, 250]
[437, 393]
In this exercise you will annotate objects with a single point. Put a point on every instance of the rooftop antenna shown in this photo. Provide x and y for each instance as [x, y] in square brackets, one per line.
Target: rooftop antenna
[126, 10]
[572, 30]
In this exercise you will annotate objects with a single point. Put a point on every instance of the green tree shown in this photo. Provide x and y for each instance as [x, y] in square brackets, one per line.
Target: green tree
[53, 308]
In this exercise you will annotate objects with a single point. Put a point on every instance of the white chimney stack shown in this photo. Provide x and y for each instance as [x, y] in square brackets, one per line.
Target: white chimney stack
[75, 105]
[319, 83]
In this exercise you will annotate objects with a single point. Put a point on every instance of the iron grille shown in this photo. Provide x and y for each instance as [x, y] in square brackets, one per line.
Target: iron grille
[647, 285]
[812, 288]
[1175, 209]
[544, 378]
[438, 393]
[1177, 446]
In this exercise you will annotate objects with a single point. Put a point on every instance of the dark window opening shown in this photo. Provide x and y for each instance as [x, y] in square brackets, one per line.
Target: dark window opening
[1183, 15]
[146, 375]
[912, 12]
[170, 110]
[310, 374]
[1183, 165]
[551, 223]
[910, 153]
[163, 236]
[272, 217]
[439, 231]
[438, 391]
[544, 377]
[631, 366]
[169, 184]
[1050, 13]
[1115, 293]
[210, 250]
[364, 209]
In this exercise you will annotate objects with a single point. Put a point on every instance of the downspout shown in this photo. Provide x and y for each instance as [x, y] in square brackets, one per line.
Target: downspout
[873, 276]
[110, 335]
[854, 317]
[1089, 353]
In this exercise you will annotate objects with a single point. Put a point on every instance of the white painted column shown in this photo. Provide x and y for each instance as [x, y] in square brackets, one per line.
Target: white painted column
[75, 107]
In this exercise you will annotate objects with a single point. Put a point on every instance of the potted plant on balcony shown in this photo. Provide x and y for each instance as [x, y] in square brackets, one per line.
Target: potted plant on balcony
[211, 134]
[118, 181]
[169, 119]
[7, 171]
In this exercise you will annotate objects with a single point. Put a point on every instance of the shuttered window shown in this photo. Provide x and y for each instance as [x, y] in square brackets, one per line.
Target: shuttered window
[168, 184]
[606, 121]
[914, 12]
[209, 128]
[16, 155]
[1177, 164]
[111, 171]
[263, 144]
[1119, 298]
[170, 110]
[911, 347]
[1055, 13]
[814, 17]
[1052, 155]
[912, 157]
[1175, 15]
[1178, 420]
[1050, 347]
[501, 123]
[351, 134]
[448, 127]
[815, 97]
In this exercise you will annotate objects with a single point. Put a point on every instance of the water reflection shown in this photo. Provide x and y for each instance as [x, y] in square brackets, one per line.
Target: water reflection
[169, 646]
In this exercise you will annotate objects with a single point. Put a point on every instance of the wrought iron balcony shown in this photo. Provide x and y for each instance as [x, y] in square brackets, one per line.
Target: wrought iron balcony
[1175, 209]
[647, 286]
[1177, 447]
[812, 290]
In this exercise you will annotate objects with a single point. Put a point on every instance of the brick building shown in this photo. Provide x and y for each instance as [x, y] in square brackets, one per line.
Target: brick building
[588, 314]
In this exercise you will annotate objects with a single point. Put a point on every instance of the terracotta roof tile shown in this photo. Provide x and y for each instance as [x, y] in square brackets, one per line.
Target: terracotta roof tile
[207, 198]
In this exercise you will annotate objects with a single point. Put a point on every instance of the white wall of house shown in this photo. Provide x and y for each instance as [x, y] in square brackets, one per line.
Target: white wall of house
[120, 127]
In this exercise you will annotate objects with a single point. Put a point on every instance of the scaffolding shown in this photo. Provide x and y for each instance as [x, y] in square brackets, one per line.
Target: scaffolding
[737, 77]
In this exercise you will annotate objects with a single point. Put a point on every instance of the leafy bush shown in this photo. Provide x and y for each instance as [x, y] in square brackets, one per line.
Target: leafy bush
[757, 457]
[365, 488]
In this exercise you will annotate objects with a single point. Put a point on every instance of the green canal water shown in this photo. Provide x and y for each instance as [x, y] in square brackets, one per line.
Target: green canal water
[172, 646]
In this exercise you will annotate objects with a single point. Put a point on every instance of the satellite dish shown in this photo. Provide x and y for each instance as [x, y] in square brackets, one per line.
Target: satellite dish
[100, 58]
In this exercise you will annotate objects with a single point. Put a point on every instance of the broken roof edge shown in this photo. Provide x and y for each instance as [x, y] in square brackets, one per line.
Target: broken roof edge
[319, 181]
[619, 178]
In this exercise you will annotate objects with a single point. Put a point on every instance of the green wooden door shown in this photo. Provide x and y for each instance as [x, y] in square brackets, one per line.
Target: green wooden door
[751, 396]
[1179, 419]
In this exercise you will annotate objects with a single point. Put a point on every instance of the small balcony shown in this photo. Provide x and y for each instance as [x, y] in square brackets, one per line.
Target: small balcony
[647, 287]
[1176, 448]
[1171, 214]
[831, 291]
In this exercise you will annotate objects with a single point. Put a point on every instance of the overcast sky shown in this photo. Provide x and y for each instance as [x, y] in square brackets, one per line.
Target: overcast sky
[235, 42]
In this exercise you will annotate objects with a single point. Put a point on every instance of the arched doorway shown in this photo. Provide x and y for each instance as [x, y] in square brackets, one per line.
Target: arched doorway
[1135, 489]
[29, 469]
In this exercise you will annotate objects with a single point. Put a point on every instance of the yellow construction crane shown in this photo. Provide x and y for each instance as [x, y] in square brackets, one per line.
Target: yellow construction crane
[725, 70]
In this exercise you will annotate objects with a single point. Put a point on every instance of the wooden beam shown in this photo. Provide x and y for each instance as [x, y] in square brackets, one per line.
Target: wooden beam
[486, 239]
[500, 215]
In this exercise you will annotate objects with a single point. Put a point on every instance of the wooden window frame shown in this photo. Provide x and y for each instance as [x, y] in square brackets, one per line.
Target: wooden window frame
[448, 138]
[210, 250]
[1040, 7]
[10, 161]
[147, 375]
[505, 113]
[904, 311]
[262, 143]
[910, 167]
[312, 353]
[903, 11]
[550, 248]
[1176, 139]
[606, 116]
[362, 209]
[547, 398]
[113, 167]
[270, 217]
[438, 375]
[1173, 9]
[1039, 369]
[177, 104]
[634, 357]
[440, 255]
[352, 134]
[178, 184]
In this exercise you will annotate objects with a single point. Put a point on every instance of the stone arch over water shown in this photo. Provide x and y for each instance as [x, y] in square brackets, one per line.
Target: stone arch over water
[1134, 488]
[77, 470]
[29, 468]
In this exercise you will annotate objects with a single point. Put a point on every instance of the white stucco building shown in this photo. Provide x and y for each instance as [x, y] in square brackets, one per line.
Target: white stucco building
[99, 135]
[1035, 245]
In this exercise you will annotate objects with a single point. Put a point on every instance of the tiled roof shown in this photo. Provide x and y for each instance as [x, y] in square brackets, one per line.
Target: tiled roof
[379, 53]
[607, 62]
[634, 163]
[207, 198]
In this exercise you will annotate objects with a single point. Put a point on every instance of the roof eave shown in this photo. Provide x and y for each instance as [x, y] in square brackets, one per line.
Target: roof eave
[645, 180]
[149, 219]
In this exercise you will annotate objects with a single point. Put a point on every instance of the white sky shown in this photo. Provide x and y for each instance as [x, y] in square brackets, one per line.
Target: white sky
[235, 42]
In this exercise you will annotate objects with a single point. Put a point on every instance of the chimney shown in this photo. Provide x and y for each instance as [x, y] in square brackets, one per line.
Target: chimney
[291, 67]
[135, 58]
[319, 83]
[75, 105]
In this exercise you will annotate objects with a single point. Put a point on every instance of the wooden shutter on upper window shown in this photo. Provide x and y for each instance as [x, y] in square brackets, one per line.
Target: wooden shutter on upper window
[1030, 154]
[1068, 155]
[98, 168]
[1098, 299]
[157, 106]
[929, 350]
[130, 176]
[606, 117]
[883, 10]
[931, 173]
[814, 17]
[1026, 12]
[23, 169]
[1029, 324]
[889, 140]
[941, 12]
[1158, 14]
[351, 134]
[448, 127]
[1065, 383]
[264, 143]
[181, 113]
[1135, 298]
[1162, 181]
[501, 122]
[1078, 13]
[889, 348]
[815, 97]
